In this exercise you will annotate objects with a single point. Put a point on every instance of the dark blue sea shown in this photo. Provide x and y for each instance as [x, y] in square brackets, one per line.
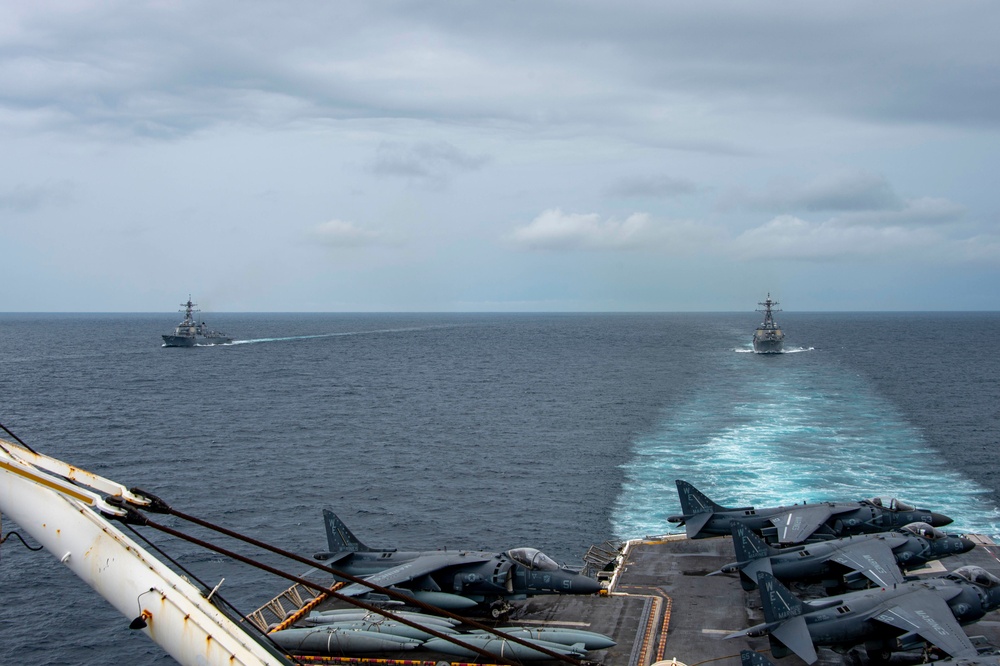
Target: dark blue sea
[480, 430]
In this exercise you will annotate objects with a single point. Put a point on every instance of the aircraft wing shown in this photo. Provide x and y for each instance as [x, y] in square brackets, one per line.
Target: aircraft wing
[926, 614]
[412, 570]
[873, 559]
[796, 525]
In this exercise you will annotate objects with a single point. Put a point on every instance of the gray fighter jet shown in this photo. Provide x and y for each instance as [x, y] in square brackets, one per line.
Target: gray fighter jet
[450, 579]
[906, 616]
[853, 562]
[798, 523]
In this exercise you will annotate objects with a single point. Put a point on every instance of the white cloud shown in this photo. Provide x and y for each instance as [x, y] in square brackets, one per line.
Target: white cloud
[790, 237]
[338, 233]
[914, 233]
[556, 230]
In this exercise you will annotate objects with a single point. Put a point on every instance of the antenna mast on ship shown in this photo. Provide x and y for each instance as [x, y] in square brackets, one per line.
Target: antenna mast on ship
[189, 308]
[768, 309]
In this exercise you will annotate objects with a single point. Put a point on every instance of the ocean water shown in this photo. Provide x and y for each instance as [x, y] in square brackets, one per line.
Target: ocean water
[480, 430]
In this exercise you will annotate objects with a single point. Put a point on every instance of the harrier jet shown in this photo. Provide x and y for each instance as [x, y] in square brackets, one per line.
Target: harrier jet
[906, 616]
[854, 561]
[450, 579]
[800, 522]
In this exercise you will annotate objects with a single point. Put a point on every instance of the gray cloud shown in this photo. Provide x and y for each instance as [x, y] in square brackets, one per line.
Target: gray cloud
[846, 191]
[22, 198]
[431, 161]
[846, 133]
[925, 211]
[652, 186]
[170, 70]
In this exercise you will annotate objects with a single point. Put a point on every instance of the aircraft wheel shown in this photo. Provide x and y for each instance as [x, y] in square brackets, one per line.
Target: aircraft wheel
[500, 610]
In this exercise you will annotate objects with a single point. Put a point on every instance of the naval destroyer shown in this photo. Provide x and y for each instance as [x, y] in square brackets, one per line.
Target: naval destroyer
[188, 333]
[768, 338]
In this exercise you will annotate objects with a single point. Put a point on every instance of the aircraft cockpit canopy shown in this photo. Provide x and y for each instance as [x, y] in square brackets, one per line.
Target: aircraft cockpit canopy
[892, 504]
[924, 530]
[533, 559]
[978, 576]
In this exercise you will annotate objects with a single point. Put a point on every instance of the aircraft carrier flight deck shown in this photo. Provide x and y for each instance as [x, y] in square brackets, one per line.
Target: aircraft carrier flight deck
[663, 606]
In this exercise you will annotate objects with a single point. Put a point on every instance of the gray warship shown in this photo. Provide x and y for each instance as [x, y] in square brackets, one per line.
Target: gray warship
[189, 333]
[768, 338]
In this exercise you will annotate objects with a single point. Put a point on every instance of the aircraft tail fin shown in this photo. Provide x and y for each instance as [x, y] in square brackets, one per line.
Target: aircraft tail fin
[752, 553]
[339, 538]
[777, 601]
[748, 545]
[693, 501]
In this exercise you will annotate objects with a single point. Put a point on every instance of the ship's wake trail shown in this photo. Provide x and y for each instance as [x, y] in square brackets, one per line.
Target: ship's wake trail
[341, 334]
[283, 339]
[797, 350]
[796, 437]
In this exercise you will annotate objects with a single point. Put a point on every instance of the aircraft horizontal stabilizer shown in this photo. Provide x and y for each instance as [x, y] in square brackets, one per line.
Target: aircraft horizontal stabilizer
[794, 634]
[695, 523]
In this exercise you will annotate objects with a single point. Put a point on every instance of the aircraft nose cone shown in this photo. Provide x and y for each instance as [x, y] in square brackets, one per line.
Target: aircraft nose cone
[940, 520]
[586, 585]
[967, 544]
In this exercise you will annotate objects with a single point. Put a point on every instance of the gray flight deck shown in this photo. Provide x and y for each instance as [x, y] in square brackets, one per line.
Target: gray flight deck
[661, 606]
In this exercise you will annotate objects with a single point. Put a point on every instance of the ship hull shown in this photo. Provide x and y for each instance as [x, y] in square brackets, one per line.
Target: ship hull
[189, 341]
[764, 346]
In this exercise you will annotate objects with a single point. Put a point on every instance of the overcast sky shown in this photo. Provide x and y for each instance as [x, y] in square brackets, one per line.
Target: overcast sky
[502, 155]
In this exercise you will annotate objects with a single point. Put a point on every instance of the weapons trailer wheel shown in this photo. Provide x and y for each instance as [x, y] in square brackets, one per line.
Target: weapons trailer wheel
[879, 657]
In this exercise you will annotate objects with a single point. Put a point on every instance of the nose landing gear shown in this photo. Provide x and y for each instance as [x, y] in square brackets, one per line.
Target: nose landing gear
[501, 609]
